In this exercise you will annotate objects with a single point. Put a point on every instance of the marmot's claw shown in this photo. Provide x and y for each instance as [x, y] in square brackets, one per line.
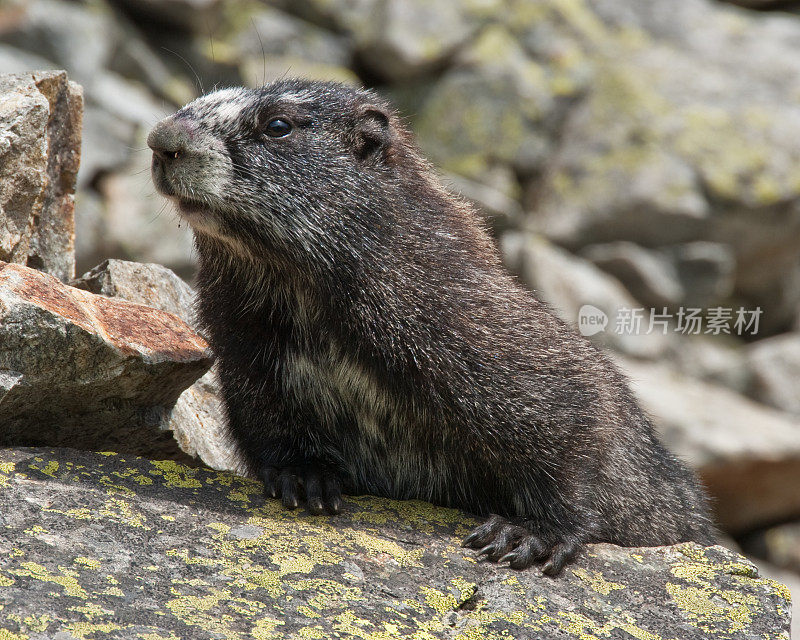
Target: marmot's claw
[289, 486]
[332, 493]
[269, 476]
[321, 490]
[529, 549]
[502, 541]
[560, 555]
[485, 533]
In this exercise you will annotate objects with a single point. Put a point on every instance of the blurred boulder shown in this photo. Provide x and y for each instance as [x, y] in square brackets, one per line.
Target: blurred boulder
[778, 545]
[716, 359]
[127, 101]
[338, 16]
[75, 36]
[497, 105]
[272, 42]
[767, 5]
[692, 274]
[409, 38]
[13, 60]
[257, 71]
[86, 371]
[775, 366]
[747, 455]
[40, 143]
[107, 144]
[706, 271]
[691, 131]
[135, 58]
[271, 33]
[186, 15]
[197, 420]
[131, 220]
[570, 284]
[647, 275]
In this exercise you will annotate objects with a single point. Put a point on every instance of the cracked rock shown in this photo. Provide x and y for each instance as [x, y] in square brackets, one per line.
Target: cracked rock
[197, 419]
[40, 142]
[86, 371]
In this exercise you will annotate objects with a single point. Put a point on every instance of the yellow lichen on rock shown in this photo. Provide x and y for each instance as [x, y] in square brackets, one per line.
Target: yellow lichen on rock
[181, 558]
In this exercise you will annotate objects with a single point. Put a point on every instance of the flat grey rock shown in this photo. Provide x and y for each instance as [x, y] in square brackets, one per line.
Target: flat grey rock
[98, 546]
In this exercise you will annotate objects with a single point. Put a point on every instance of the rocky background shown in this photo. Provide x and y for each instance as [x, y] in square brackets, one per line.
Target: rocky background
[627, 154]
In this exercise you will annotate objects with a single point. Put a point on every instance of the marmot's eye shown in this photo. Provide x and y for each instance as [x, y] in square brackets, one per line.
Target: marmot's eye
[278, 128]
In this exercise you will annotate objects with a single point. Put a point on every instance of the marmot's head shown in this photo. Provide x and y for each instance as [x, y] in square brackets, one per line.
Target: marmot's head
[293, 166]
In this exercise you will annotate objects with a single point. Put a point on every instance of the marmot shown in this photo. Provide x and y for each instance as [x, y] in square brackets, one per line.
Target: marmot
[370, 341]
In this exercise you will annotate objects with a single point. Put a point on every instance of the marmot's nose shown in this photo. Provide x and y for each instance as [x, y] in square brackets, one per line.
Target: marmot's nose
[168, 139]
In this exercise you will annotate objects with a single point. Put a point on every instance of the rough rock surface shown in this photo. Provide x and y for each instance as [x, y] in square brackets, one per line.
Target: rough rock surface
[150, 284]
[97, 546]
[198, 423]
[197, 419]
[88, 371]
[40, 143]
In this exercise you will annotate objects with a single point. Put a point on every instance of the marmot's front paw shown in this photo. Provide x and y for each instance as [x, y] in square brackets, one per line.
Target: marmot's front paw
[321, 489]
[500, 541]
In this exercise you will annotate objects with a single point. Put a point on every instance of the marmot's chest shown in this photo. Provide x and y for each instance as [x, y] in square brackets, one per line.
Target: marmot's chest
[337, 388]
[379, 438]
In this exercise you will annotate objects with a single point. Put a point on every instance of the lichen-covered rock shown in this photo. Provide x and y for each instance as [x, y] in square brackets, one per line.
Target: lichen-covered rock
[498, 106]
[88, 371]
[690, 131]
[103, 547]
[40, 142]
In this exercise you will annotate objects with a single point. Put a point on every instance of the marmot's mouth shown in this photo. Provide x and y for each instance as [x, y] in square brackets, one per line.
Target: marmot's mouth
[188, 207]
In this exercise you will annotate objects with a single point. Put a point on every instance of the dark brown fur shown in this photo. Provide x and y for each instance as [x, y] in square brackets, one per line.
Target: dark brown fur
[369, 338]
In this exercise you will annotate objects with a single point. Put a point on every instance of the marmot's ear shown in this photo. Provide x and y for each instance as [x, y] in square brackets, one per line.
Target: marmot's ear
[373, 135]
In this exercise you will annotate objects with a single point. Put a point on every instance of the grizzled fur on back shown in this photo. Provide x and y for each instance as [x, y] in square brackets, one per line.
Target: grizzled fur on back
[364, 326]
